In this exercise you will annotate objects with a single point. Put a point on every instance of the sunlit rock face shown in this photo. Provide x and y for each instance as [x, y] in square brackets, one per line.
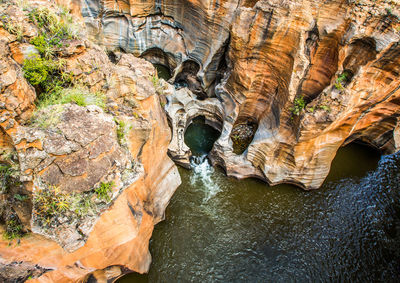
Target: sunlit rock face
[73, 149]
[340, 56]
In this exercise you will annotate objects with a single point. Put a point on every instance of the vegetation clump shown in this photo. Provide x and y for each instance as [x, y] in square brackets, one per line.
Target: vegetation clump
[51, 206]
[13, 28]
[46, 72]
[47, 118]
[121, 129]
[103, 192]
[342, 80]
[19, 197]
[54, 28]
[14, 229]
[5, 175]
[298, 105]
[81, 97]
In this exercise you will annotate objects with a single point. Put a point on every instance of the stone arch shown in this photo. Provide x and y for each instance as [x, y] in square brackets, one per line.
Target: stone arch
[187, 76]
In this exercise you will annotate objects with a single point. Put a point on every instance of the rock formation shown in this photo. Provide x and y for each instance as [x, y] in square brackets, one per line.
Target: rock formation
[182, 107]
[86, 184]
[287, 82]
[266, 61]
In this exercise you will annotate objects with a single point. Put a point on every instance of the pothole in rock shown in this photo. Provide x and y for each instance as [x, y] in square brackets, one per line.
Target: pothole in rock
[200, 138]
[163, 72]
[242, 135]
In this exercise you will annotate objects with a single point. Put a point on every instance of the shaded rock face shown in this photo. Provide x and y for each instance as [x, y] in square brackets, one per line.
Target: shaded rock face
[257, 57]
[72, 151]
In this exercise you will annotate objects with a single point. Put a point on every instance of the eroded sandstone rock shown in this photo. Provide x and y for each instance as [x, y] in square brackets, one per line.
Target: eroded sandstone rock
[71, 150]
[265, 55]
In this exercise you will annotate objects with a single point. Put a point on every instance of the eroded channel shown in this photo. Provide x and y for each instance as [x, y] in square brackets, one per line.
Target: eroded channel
[220, 229]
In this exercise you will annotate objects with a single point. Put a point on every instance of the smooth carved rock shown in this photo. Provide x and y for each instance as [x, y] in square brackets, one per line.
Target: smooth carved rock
[275, 51]
[181, 108]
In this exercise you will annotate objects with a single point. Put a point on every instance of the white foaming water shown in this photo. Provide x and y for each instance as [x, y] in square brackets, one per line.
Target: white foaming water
[202, 172]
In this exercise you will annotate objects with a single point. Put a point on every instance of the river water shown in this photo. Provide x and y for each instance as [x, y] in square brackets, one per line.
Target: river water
[219, 229]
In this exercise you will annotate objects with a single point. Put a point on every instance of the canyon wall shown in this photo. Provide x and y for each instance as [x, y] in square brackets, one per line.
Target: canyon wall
[286, 82]
[296, 79]
[57, 158]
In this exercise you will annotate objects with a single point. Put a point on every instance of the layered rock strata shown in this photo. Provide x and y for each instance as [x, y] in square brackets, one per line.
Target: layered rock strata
[181, 108]
[72, 151]
[266, 60]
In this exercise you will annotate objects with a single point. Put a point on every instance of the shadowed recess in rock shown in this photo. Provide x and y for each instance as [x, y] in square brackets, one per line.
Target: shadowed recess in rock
[187, 77]
[158, 57]
[162, 71]
[242, 135]
[200, 137]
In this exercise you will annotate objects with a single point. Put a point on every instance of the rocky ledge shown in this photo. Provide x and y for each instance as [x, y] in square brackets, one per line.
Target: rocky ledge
[84, 168]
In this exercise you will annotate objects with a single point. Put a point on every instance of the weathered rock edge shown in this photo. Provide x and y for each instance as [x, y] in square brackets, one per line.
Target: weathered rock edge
[78, 150]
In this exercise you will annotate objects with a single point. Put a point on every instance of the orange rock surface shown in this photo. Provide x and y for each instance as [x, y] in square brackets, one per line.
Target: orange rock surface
[118, 241]
[260, 58]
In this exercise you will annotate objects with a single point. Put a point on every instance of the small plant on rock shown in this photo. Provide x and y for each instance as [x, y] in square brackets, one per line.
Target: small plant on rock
[325, 108]
[341, 80]
[50, 202]
[8, 176]
[103, 192]
[47, 118]
[19, 197]
[298, 105]
[15, 29]
[155, 80]
[14, 229]
[121, 129]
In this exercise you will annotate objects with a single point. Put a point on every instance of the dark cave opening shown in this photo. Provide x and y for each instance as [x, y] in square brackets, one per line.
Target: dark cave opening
[163, 62]
[187, 77]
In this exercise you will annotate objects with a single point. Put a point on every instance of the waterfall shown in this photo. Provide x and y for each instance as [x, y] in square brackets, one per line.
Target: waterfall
[201, 177]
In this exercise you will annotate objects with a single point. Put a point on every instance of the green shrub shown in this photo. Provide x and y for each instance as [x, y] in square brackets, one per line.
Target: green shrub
[57, 27]
[103, 192]
[15, 29]
[36, 70]
[342, 79]
[46, 47]
[121, 128]
[14, 229]
[298, 105]
[6, 177]
[325, 108]
[81, 204]
[50, 205]
[155, 80]
[46, 72]
[50, 202]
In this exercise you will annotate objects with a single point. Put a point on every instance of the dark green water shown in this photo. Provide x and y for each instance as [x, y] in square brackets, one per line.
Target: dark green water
[162, 71]
[219, 229]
